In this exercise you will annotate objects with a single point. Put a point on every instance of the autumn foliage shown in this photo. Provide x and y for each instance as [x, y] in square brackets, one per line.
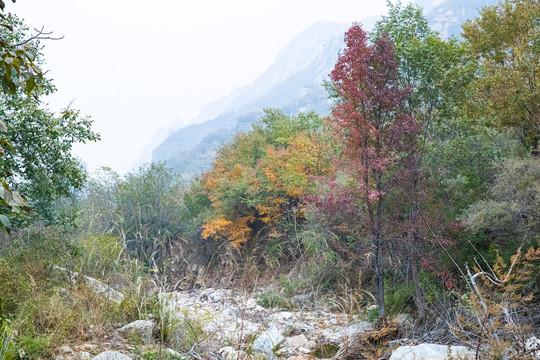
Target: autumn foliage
[262, 174]
[374, 128]
[397, 177]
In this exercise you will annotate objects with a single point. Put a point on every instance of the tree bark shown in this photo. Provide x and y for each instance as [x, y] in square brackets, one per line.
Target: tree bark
[379, 267]
[379, 276]
[418, 293]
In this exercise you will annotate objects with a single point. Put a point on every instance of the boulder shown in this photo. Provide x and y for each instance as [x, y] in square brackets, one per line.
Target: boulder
[83, 355]
[432, 352]
[139, 331]
[97, 286]
[111, 355]
[355, 329]
[230, 353]
[302, 300]
[268, 341]
[298, 342]
[532, 344]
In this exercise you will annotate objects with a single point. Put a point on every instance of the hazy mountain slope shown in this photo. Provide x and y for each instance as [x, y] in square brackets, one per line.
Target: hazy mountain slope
[303, 53]
[447, 16]
[293, 83]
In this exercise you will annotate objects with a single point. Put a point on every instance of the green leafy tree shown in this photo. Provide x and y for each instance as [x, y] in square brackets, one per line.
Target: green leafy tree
[509, 214]
[36, 156]
[505, 39]
[437, 72]
[143, 209]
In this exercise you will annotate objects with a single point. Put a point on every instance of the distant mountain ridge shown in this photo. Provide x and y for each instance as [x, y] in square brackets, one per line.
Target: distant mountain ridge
[303, 53]
[447, 16]
[293, 83]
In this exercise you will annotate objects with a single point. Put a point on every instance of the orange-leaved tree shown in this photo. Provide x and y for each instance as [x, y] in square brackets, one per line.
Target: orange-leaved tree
[262, 173]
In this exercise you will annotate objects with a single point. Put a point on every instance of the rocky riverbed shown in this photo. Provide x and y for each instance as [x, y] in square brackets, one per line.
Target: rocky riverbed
[224, 324]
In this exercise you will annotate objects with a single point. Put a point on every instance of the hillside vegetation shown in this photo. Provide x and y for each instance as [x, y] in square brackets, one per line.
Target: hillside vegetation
[418, 194]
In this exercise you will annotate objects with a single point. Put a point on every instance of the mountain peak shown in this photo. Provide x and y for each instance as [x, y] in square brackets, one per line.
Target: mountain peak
[298, 55]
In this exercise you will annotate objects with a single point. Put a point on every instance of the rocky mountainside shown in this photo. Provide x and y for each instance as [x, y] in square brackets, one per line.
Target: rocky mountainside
[447, 16]
[293, 83]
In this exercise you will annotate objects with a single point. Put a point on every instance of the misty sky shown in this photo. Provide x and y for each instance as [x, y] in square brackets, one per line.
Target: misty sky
[135, 66]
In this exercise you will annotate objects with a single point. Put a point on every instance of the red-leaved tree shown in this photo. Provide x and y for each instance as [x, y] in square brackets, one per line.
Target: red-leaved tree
[375, 131]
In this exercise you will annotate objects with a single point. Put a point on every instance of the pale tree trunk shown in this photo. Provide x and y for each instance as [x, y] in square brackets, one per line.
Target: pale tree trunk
[418, 293]
[379, 276]
[379, 266]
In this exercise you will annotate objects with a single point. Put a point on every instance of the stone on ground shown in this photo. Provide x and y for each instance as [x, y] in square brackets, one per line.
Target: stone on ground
[432, 352]
[230, 353]
[139, 331]
[268, 341]
[111, 355]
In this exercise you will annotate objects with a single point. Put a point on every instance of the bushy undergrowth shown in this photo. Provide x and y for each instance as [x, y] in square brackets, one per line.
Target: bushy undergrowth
[41, 308]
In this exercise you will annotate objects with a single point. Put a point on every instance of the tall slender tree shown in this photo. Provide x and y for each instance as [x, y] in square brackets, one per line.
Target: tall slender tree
[374, 128]
[438, 72]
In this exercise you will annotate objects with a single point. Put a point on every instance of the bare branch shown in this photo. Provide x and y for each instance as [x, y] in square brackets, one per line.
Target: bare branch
[41, 34]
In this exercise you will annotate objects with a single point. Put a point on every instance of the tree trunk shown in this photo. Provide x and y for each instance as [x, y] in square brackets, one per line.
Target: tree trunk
[418, 294]
[379, 266]
[379, 276]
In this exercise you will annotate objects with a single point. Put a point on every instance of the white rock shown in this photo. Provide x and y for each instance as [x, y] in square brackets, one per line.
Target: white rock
[111, 355]
[250, 304]
[533, 343]
[230, 353]
[268, 341]
[97, 286]
[83, 355]
[297, 342]
[432, 352]
[140, 330]
[355, 329]
[65, 349]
